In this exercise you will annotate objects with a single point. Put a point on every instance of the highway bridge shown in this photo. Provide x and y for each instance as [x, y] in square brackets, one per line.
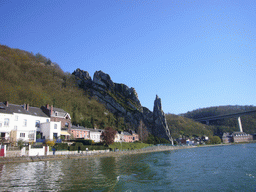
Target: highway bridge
[211, 118]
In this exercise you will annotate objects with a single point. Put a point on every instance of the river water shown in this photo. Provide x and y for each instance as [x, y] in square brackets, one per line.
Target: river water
[218, 168]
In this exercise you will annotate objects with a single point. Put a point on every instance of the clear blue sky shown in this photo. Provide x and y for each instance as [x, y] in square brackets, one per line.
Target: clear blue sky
[191, 53]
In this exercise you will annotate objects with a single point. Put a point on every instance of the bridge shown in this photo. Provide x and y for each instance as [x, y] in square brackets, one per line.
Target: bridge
[208, 119]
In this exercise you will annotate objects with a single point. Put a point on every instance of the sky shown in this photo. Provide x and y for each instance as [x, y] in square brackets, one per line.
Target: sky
[191, 53]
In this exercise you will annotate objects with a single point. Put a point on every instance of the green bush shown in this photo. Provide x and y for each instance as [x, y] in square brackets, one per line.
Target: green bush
[83, 141]
[61, 146]
[215, 140]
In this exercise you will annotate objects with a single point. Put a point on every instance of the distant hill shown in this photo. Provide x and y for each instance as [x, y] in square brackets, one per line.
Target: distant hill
[229, 124]
[182, 126]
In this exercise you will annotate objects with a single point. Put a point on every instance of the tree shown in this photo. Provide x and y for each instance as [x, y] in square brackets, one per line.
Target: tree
[108, 136]
[20, 143]
[215, 140]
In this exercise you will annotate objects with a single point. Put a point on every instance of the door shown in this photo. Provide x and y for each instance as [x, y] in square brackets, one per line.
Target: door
[55, 135]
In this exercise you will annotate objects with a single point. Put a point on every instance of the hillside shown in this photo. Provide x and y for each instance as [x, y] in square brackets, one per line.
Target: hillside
[97, 102]
[229, 124]
[182, 126]
[34, 79]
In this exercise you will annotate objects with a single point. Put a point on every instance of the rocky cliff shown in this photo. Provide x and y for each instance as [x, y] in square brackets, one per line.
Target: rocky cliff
[123, 102]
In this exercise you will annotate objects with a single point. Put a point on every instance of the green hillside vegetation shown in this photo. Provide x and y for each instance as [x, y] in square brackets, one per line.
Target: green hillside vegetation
[34, 79]
[228, 124]
[185, 127]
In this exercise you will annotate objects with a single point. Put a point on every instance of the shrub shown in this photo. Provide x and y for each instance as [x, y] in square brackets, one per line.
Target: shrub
[20, 143]
[61, 146]
[50, 143]
[215, 140]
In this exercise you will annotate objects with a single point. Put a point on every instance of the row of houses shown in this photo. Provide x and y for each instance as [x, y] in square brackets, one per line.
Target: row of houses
[31, 123]
[80, 132]
[194, 141]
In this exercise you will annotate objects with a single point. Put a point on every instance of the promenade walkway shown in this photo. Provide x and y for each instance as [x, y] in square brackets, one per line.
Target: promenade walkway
[89, 154]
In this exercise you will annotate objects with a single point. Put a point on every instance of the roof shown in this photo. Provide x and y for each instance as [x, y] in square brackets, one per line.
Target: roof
[79, 127]
[12, 108]
[59, 110]
[240, 134]
[126, 133]
[60, 113]
[95, 130]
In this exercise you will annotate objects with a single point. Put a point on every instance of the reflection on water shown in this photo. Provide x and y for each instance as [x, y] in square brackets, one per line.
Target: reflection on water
[200, 169]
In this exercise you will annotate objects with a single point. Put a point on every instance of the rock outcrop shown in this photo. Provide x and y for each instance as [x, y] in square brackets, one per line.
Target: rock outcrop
[159, 121]
[123, 101]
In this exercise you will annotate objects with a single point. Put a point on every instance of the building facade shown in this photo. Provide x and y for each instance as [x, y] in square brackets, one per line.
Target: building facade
[79, 132]
[59, 115]
[20, 122]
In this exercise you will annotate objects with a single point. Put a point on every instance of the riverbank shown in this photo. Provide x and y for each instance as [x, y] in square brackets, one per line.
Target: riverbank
[4, 160]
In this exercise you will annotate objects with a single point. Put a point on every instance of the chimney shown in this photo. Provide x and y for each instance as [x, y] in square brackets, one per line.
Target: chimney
[47, 106]
[24, 106]
[27, 107]
[6, 103]
[51, 110]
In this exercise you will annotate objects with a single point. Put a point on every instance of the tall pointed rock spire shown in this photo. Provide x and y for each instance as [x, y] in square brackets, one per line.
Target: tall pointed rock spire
[160, 128]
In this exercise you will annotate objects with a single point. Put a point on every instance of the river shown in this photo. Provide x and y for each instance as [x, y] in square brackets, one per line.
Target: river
[218, 168]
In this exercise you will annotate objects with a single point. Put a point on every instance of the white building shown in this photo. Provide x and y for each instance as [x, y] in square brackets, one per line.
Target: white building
[21, 122]
[95, 135]
[51, 130]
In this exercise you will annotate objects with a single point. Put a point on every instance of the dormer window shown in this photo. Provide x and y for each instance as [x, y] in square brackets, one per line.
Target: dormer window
[56, 113]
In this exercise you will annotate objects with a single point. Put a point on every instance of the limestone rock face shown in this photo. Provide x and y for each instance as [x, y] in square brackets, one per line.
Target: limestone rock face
[83, 78]
[123, 101]
[159, 121]
[103, 79]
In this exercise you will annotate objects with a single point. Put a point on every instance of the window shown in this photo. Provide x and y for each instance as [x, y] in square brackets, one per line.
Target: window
[47, 120]
[6, 122]
[56, 114]
[0, 124]
[25, 123]
[22, 134]
[15, 127]
[55, 126]
[66, 124]
[37, 123]
[16, 118]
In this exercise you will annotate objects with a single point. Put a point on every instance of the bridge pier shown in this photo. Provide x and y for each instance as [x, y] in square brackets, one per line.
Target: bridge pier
[240, 124]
